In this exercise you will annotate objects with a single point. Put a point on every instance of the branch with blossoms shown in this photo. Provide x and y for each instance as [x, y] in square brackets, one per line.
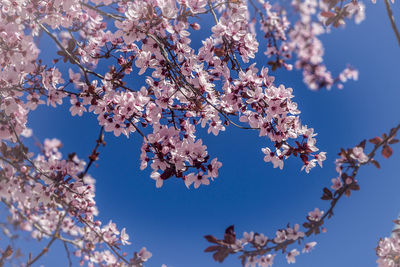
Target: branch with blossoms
[261, 251]
[388, 249]
[54, 198]
[186, 87]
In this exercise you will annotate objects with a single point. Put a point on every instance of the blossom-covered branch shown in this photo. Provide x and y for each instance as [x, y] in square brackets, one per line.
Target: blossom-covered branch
[185, 86]
[262, 248]
[185, 89]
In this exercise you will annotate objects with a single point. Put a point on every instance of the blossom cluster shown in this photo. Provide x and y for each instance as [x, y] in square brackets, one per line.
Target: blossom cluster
[52, 197]
[186, 86]
[388, 251]
[211, 84]
[261, 247]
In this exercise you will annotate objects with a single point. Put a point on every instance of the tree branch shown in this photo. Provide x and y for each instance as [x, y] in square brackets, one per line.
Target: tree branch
[391, 18]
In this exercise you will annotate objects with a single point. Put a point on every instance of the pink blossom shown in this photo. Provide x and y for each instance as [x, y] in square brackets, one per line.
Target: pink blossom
[77, 107]
[144, 254]
[309, 246]
[267, 260]
[315, 215]
[358, 154]
[294, 233]
[290, 257]
[280, 236]
[336, 183]
[260, 239]
[124, 237]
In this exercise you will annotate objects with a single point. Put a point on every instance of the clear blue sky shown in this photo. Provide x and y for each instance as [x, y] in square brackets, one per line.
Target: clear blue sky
[249, 193]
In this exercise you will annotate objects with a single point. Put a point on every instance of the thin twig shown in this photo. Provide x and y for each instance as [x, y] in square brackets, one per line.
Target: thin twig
[391, 18]
[93, 156]
[68, 254]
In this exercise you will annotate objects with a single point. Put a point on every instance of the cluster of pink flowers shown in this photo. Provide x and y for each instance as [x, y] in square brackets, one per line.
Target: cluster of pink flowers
[261, 247]
[53, 197]
[309, 49]
[354, 156]
[183, 88]
[388, 251]
[186, 86]
[259, 242]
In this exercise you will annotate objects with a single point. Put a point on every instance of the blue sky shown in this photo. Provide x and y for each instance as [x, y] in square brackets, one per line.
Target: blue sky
[171, 221]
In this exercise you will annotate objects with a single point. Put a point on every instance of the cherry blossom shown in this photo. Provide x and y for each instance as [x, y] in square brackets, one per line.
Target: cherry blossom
[315, 215]
[290, 257]
[309, 246]
[184, 83]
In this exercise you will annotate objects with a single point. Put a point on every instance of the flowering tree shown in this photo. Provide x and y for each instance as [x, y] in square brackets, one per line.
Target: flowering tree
[213, 84]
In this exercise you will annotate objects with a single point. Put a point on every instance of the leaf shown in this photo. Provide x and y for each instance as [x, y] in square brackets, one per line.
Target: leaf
[71, 45]
[211, 239]
[332, 3]
[230, 236]
[221, 254]
[376, 163]
[393, 141]
[362, 144]
[327, 194]
[212, 248]
[329, 21]
[376, 140]
[347, 193]
[317, 231]
[354, 187]
[387, 151]
[327, 14]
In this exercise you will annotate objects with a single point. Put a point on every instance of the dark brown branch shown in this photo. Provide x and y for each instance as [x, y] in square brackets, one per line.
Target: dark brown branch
[94, 155]
[391, 18]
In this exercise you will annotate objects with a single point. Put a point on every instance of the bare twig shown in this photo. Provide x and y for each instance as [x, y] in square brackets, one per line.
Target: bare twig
[391, 18]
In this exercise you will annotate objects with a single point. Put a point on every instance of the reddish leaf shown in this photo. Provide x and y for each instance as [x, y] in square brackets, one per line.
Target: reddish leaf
[317, 231]
[393, 141]
[387, 151]
[376, 140]
[332, 3]
[221, 254]
[327, 194]
[347, 193]
[330, 20]
[230, 236]
[211, 239]
[376, 164]
[327, 14]
[212, 248]
[354, 187]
